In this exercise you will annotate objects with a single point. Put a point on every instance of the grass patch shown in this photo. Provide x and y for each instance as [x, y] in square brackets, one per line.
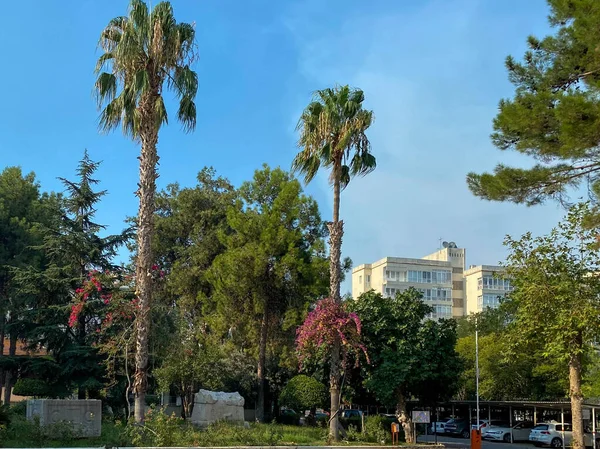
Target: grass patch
[162, 430]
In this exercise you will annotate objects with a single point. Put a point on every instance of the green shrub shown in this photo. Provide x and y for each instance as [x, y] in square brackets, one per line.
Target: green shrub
[18, 409]
[377, 429]
[303, 393]
[160, 429]
[31, 387]
[152, 400]
[4, 416]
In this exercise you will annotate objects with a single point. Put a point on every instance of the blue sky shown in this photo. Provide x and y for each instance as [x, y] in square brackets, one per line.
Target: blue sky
[432, 71]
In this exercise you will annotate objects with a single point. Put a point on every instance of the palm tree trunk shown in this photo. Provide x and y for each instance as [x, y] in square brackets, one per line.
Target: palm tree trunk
[334, 391]
[10, 381]
[336, 231]
[404, 418]
[576, 397]
[262, 357]
[145, 230]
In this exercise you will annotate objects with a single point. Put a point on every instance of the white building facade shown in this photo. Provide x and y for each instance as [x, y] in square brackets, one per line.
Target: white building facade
[441, 277]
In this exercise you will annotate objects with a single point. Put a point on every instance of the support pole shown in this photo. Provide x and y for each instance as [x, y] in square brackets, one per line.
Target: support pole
[534, 415]
[510, 418]
[562, 423]
[453, 412]
[489, 413]
[594, 426]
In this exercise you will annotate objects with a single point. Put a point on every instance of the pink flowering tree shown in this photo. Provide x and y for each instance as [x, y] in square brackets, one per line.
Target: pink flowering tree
[327, 324]
[104, 308]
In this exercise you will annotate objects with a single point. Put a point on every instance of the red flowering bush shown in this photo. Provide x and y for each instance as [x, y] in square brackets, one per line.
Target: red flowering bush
[100, 299]
[327, 323]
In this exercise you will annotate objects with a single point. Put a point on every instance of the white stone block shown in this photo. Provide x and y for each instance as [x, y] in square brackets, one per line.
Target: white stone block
[85, 415]
[213, 406]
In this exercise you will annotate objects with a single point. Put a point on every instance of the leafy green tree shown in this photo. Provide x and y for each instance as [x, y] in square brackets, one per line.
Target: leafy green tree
[199, 365]
[333, 134]
[554, 115]
[272, 267]
[21, 209]
[188, 224]
[303, 393]
[72, 249]
[410, 355]
[508, 375]
[556, 298]
[142, 52]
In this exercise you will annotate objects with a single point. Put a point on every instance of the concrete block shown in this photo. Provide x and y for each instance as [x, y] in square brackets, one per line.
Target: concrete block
[213, 406]
[85, 415]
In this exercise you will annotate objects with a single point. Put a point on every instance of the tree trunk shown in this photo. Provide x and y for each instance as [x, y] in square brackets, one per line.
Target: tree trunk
[145, 230]
[187, 403]
[10, 381]
[336, 231]
[2, 320]
[334, 390]
[576, 399]
[262, 357]
[404, 418]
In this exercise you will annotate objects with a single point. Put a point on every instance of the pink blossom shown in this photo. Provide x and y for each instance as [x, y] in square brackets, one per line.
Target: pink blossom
[328, 323]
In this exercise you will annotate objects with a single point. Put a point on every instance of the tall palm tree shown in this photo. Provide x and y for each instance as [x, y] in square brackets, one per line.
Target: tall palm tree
[142, 53]
[333, 134]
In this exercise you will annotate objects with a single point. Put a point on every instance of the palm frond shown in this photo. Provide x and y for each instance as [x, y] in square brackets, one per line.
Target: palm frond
[103, 61]
[138, 15]
[141, 81]
[184, 82]
[306, 164]
[140, 52]
[187, 113]
[332, 129]
[344, 176]
[161, 112]
[106, 88]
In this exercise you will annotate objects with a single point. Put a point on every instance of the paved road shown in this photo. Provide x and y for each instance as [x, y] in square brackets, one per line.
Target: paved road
[462, 443]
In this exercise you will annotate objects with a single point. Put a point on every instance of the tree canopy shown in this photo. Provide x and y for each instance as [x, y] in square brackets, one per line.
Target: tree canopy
[410, 354]
[554, 116]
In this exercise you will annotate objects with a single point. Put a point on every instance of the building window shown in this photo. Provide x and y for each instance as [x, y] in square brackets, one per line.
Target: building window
[390, 292]
[441, 276]
[368, 278]
[488, 301]
[430, 277]
[440, 311]
[494, 283]
[436, 294]
[396, 276]
[360, 279]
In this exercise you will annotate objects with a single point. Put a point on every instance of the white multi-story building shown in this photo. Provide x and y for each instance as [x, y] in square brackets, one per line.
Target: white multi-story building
[441, 277]
[438, 276]
[484, 288]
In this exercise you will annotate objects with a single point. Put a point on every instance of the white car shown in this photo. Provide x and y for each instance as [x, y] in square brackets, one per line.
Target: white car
[552, 433]
[439, 426]
[501, 432]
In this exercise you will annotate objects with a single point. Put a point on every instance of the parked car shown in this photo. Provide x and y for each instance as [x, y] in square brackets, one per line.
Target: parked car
[551, 434]
[351, 417]
[351, 413]
[491, 424]
[483, 423]
[289, 416]
[458, 427]
[438, 426]
[502, 432]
